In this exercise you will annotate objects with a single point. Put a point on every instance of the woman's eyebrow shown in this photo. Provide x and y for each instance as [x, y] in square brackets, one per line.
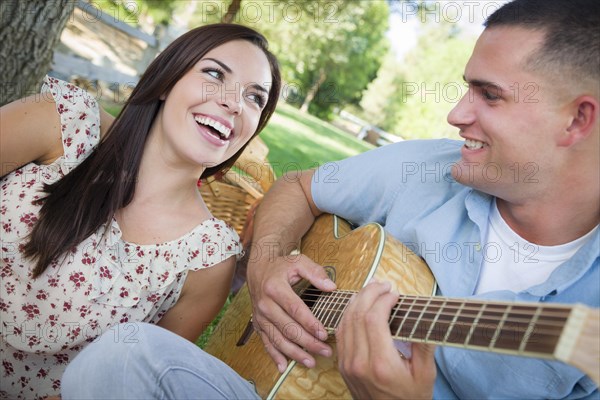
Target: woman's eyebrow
[224, 66]
[260, 88]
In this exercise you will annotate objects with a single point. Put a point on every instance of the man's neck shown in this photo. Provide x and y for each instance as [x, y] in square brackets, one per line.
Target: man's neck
[550, 223]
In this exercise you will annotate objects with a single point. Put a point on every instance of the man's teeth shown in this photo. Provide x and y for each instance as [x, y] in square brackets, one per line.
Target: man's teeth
[222, 129]
[473, 144]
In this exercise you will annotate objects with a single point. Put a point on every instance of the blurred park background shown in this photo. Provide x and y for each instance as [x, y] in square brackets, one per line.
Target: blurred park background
[357, 73]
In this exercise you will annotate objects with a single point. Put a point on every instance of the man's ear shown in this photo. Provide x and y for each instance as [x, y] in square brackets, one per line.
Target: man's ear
[584, 120]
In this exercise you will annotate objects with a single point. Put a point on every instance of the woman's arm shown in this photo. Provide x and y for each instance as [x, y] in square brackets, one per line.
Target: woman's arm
[29, 131]
[204, 293]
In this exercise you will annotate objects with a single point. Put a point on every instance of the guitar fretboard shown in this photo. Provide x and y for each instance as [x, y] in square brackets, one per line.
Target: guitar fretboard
[494, 326]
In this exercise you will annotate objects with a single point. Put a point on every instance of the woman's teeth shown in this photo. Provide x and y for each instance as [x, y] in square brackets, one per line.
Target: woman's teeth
[219, 127]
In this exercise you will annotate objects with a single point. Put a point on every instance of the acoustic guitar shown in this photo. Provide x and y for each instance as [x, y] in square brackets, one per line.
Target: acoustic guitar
[352, 257]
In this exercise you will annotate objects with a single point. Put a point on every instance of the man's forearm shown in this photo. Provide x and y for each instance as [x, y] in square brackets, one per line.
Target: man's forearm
[284, 216]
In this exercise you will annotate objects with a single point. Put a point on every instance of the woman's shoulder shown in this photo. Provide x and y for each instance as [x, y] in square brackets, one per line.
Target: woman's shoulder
[30, 131]
[79, 117]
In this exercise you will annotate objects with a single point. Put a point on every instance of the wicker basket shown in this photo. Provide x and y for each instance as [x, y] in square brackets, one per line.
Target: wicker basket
[233, 197]
[227, 202]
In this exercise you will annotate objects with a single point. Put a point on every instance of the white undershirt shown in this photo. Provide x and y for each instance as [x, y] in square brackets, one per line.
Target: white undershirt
[513, 263]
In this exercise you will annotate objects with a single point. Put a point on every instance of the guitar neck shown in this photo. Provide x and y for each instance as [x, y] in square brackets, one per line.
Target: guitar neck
[535, 330]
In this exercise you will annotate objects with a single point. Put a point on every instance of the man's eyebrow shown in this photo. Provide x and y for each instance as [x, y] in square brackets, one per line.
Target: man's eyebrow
[482, 83]
[228, 70]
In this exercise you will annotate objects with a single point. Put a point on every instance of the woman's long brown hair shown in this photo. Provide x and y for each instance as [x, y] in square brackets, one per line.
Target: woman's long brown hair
[88, 196]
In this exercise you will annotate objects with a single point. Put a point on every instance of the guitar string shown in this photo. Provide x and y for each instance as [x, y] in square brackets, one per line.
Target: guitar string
[485, 318]
[407, 318]
[317, 292]
[551, 311]
[560, 314]
[544, 329]
[548, 340]
[540, 335]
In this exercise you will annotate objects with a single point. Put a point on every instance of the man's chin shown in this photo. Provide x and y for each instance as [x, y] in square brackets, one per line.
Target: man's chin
[467, 174]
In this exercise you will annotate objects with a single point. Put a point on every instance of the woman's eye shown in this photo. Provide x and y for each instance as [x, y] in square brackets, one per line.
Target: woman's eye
[215, 73]
[257, 98]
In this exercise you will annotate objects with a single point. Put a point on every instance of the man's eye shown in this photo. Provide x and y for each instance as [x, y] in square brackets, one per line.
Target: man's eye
[491, 94]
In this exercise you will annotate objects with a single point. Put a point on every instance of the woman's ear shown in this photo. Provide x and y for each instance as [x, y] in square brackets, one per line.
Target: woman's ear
[584, 120]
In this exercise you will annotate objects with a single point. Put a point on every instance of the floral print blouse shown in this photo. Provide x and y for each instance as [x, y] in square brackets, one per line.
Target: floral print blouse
[46, 321]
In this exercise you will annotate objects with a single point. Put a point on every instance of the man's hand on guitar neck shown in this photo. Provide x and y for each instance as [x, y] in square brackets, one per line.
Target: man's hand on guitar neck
[286, 325]
[367, 358]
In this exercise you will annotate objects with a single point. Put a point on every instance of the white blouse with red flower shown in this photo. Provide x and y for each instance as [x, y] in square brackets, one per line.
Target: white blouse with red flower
[104, 281]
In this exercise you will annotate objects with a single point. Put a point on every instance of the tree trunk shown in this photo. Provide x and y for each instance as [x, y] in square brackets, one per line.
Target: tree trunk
[29, 31]
[312, 92]
[232, 11]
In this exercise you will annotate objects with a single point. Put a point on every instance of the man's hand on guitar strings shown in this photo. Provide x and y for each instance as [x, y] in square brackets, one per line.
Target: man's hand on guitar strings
[285, 324]
[367, 359]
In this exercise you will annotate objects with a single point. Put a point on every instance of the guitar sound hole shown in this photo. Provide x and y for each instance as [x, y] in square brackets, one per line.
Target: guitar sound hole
[310, 296]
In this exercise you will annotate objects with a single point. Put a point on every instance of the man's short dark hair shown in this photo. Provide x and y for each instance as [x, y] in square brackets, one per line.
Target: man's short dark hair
[571, 48]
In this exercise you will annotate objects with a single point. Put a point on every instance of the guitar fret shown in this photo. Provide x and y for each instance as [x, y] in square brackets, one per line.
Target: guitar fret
[485, 328]
[437, 316]
[343, 303]
[335, 307]
[328, 299]
[319, 306]
[335, 310]
[453, 322]
[394, 319]
[344, 300]
[547, 331]
[514, 327]
[500, 326]
[419, 319]
[406, 316]
[530, 329]
[445, 317]
[474, 325]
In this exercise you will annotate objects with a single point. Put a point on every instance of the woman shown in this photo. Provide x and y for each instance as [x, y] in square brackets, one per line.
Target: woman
[107, 225]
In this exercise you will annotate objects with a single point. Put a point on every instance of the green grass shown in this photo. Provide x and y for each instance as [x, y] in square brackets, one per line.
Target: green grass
[111, 108]
[203, 339]
[300, 141]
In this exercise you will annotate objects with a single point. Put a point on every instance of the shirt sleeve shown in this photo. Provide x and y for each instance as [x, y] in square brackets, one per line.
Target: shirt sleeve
[79, 117]
[363, 188]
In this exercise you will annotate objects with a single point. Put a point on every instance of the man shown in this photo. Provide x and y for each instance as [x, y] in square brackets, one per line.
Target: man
[518, 200]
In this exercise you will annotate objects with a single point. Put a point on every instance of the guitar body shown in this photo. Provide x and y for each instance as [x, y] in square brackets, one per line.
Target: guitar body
[356, 256]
